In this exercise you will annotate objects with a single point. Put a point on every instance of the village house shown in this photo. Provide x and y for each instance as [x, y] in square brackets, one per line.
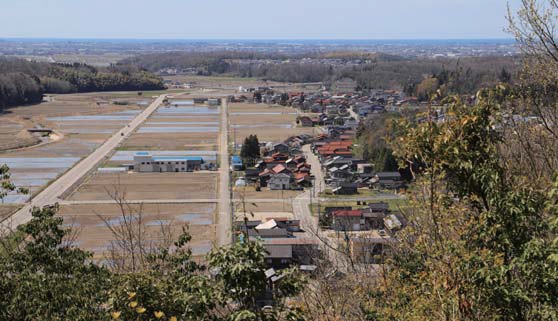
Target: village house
[280, 181]
[371, 217]
[387, 180]
[306, 121]
[345, 188]
[347, 220]
[281, 148]
[285, 243]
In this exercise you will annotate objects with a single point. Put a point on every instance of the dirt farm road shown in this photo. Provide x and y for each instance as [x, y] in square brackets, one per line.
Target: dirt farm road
[224, 215]
[51, 194]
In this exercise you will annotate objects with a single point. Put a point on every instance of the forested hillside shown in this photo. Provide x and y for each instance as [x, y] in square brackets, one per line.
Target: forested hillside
[23, 82]
[368, 69]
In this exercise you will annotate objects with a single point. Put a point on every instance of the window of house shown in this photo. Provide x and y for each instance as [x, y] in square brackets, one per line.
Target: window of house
[143, 163]
[183, 169]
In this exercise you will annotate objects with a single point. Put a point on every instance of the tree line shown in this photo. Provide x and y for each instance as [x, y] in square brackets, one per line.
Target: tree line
[379, 71]
[23, 82]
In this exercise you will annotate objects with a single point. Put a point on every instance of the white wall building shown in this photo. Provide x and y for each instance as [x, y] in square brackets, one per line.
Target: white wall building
[144, 162]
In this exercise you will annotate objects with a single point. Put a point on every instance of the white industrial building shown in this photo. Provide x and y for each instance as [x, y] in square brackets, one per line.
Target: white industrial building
[145, 162]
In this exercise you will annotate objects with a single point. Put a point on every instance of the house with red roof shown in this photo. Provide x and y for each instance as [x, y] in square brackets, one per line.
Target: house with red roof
[348, 220]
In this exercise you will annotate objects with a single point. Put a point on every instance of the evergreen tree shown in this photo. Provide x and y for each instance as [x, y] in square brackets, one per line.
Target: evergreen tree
[250, 151]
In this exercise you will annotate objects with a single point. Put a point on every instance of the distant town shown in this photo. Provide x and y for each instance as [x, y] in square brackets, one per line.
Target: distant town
[104, 52]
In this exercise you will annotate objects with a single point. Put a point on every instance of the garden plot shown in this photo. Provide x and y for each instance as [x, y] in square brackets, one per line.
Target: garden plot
[148, 186]
[161, 223]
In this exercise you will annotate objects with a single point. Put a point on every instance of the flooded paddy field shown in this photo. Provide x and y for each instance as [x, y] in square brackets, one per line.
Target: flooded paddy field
[148, 186]
[186, 130]
[79, 124]
[186, 127]
[161, 223]
[34, 173]
[172, 141]
[173, 129]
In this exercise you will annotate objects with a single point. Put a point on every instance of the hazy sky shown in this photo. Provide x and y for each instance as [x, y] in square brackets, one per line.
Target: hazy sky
[254, 19]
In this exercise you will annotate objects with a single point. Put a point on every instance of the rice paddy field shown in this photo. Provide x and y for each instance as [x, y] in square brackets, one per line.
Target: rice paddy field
[80, 123]
[147, 186]
[270, 123]
[160, 223]
[249, 192]
[233, 83]
[180, 128]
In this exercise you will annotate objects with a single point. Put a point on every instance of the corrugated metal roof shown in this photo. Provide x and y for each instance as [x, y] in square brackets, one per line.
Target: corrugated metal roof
[236, 160]
[177, 158]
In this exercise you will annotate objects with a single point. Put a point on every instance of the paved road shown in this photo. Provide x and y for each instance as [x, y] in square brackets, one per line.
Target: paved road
[353, 114]
[302, 202]
[224, 220]
[52, 193]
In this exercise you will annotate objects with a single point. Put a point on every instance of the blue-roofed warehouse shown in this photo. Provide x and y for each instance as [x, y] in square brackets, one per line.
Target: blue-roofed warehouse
[145, 162]
[236, 163]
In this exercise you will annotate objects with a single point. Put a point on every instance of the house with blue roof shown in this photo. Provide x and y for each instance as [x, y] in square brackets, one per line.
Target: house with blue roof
[145, 162]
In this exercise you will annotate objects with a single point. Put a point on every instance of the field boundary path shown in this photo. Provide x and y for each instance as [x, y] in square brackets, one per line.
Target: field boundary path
[224, 215]
[303, 197]
[51, 194]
